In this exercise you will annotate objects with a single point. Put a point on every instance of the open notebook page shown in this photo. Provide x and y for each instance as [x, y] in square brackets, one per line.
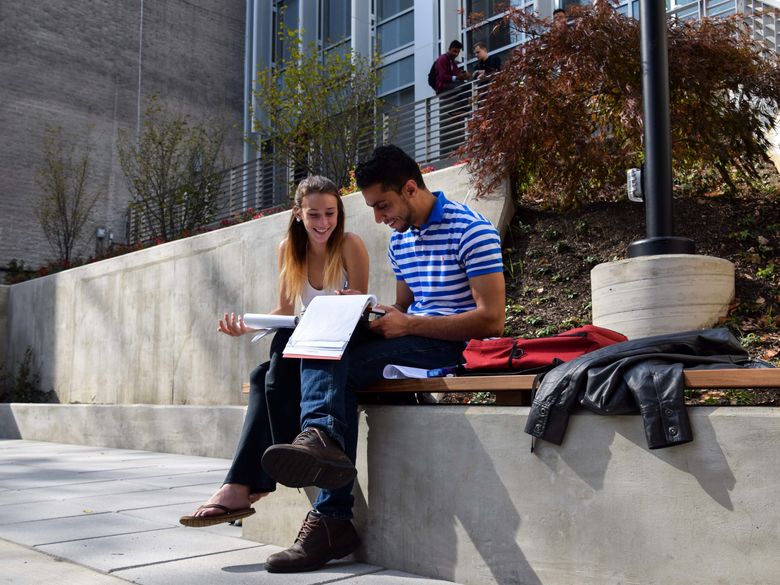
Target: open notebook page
[327, 325]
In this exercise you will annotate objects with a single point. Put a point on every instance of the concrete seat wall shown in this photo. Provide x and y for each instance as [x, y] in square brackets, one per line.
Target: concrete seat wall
[142, 328]
[454, 492]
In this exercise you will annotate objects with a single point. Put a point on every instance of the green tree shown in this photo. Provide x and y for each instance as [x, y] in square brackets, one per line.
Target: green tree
[314, 112]
[65, 204]
[173, 171]
[564, 116]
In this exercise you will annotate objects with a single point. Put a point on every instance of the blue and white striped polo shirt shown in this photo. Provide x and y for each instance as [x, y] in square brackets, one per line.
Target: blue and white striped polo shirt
[437, 260]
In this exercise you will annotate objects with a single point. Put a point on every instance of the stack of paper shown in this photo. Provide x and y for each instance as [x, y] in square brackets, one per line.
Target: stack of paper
[327, 325]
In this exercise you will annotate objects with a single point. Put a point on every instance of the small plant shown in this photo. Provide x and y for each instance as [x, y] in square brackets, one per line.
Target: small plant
[591, 261]
[522, 229]
[25, 385]
[767, 272]
[561, 246]
[551, 234]
[581, 227]
[16, 272]
[533, 320]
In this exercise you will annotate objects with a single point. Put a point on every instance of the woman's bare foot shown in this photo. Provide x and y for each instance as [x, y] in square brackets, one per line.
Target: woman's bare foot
[232, 496]
[254, 497]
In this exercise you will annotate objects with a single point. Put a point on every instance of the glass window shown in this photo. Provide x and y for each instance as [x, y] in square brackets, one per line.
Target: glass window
[494, 34]
[290, 10]
[336, 15]
[487, 8]
[395, 33]
[387, 8]
[396, 75]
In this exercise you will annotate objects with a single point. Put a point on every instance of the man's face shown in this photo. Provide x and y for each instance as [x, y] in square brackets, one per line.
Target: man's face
[390, 207]
[454, 52]
[481, 53]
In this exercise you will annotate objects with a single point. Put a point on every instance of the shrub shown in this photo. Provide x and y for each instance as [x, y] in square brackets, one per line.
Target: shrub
[563, 118]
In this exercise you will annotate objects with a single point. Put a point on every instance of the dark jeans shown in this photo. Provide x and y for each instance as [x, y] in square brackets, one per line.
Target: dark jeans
[272, 416]
[328, 387]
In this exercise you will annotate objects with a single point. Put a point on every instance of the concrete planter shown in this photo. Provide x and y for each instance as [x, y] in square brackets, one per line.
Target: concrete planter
[654, 295]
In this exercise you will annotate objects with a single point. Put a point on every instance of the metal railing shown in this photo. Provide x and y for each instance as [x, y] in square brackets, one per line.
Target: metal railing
[431, 129]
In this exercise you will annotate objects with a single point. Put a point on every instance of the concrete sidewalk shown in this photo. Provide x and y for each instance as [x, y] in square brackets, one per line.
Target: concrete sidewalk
[91, 515]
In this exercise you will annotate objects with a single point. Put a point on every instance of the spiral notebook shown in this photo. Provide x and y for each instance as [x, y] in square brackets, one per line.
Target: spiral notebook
[327, 326]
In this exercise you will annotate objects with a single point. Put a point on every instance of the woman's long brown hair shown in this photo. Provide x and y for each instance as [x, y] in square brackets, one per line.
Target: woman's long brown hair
[294, 272]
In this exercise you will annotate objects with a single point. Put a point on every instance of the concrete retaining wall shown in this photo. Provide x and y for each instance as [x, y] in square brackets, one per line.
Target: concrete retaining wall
[454, 492]
[141, 328]
[4, 290]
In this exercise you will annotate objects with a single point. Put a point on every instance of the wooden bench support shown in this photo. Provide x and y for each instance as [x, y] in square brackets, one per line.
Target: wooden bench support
[515, 389]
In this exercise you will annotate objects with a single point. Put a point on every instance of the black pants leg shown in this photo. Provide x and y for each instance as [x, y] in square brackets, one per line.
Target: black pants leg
[273, 416]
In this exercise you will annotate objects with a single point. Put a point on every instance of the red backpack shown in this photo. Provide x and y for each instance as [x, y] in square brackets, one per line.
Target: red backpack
[535, 355]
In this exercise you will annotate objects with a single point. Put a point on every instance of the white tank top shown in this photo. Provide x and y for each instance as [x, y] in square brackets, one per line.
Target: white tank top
[309, 292]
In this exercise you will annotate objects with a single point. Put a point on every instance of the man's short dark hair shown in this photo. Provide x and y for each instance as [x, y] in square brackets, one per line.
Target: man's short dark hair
[559, 11]
[480, 45]
[456, 45]
[390, 167]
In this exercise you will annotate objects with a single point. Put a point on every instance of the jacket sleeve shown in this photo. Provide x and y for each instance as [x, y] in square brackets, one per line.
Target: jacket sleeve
[443, 73]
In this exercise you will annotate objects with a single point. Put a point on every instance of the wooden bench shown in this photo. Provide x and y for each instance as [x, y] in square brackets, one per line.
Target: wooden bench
[515, 389]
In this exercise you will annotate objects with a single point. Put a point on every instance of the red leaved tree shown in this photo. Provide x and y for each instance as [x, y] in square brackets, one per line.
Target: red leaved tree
[563, 118]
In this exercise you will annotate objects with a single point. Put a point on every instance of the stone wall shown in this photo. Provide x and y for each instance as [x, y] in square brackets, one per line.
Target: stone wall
[76, 65]
[142, 328]
[455, 493]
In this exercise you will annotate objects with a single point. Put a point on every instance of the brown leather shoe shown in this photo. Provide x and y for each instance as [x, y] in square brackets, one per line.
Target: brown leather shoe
[320, 540]
[313, 458]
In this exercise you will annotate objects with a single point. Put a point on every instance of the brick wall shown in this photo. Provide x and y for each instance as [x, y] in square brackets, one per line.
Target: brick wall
[75, 64]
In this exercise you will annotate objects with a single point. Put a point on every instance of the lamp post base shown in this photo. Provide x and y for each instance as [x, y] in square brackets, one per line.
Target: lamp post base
[661, 245]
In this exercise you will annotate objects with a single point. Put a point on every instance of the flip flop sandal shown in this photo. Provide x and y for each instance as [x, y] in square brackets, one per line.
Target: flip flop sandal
[228, 516]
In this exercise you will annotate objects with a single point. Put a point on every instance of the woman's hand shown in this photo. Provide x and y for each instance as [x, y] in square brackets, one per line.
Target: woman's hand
[233, 325]
[349, 291]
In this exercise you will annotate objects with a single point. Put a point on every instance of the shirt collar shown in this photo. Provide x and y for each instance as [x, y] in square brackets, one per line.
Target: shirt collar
[437, 213]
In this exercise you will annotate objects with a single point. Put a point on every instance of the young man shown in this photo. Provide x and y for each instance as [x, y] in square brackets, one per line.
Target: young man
[486, 64]
[448, 74]
[449, 288]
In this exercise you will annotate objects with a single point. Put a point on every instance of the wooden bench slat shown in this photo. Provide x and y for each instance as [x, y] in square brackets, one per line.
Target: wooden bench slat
[694, 379]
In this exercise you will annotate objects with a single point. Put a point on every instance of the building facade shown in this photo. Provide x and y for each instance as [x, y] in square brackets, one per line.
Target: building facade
[87, 66]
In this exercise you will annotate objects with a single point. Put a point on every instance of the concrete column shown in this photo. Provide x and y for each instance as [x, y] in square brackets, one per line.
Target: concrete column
[654, 295]
[774, 141]
[426, 46]
[449, 23]
[361, 27]
[308, 21]
[3, 323]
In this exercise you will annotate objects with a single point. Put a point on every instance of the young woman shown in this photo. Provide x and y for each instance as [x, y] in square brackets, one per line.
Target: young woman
[316, 257]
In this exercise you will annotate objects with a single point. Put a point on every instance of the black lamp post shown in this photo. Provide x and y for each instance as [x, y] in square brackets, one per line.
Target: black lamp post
[657, 174]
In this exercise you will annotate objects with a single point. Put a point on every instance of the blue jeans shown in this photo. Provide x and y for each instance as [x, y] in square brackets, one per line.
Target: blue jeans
[328, 399]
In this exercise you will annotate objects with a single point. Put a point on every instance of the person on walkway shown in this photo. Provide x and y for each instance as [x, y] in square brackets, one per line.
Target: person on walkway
[486, 64]
[316, 257]
[449, 288]
[448, 74]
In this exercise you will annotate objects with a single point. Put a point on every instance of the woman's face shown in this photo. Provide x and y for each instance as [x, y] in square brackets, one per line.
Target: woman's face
[319, 213]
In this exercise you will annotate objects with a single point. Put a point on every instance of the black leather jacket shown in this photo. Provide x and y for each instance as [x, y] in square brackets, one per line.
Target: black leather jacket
[642, 375]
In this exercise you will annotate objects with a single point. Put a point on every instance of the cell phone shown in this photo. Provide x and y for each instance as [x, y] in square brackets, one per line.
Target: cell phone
[375, 314]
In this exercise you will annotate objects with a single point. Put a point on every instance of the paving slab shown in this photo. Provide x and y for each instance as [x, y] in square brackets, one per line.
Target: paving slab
[57, 530]
[92, 488]
[385, 577]
[113, 553]
[8, 497]
[22, 566]
[213, 479]
[243, 567]
[120, 523]
[149, 498]
[40, 510]
[169, 515]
